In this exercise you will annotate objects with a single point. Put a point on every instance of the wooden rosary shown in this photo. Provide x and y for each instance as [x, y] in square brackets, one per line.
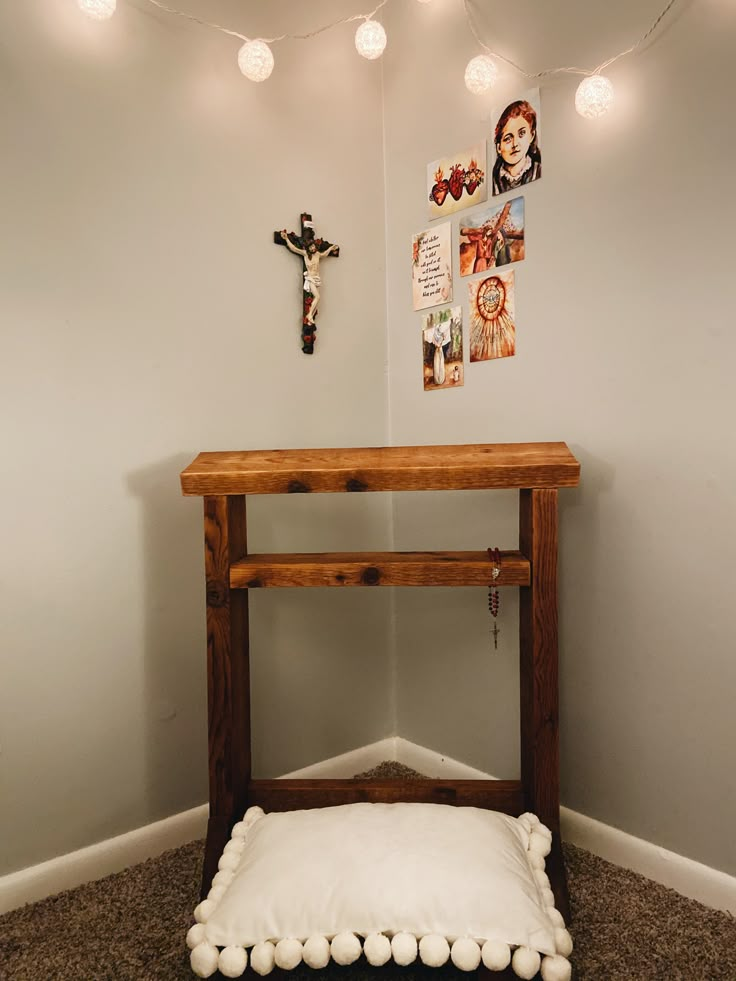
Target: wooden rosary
[493, 598]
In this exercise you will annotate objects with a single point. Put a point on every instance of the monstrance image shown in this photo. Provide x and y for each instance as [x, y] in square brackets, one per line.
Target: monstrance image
[492, 327]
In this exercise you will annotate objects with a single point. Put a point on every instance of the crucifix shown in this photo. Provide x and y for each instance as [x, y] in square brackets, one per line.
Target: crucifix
[311, 250]
[495, 633]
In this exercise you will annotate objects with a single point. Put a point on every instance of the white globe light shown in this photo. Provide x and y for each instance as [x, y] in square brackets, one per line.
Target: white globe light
[594, 96]
[370, 39]
[255, 60]
[98, 9]
[480, 74]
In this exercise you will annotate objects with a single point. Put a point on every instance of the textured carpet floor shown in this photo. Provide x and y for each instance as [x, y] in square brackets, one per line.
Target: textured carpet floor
[131, 927]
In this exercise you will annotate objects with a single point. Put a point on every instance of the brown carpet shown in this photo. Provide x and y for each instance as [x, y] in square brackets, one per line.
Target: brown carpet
[131, 927]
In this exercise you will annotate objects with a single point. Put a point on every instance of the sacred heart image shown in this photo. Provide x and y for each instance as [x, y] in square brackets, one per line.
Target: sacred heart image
[457, 182]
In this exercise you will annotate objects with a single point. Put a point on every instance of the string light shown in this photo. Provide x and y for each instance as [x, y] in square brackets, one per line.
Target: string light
[370, 40]
[594, 96]
[480, 74]
[98, 9]
[255, 60]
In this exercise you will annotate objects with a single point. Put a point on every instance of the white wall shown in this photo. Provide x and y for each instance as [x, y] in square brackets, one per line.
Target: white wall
[625, 350]
[147, 315]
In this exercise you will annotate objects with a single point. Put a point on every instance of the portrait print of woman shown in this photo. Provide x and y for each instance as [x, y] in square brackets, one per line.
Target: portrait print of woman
[516, 140]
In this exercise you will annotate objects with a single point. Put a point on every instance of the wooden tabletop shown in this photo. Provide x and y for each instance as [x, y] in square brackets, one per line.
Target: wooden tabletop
[384, 468]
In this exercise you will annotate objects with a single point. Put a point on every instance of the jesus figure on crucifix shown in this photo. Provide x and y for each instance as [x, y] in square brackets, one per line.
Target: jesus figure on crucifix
[310, 249]
[312, 279]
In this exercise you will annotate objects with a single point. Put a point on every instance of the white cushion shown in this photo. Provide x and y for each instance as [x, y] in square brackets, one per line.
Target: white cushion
[432, 872]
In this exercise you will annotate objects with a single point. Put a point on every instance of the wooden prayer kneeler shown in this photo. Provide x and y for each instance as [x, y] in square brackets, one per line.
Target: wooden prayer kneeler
[537, 470]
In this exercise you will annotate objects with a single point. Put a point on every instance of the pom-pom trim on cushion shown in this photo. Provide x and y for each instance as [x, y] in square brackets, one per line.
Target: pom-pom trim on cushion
[433, 950]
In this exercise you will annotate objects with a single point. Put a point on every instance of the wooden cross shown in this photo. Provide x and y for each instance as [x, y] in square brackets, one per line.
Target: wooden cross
[311, 250]
[496, 632]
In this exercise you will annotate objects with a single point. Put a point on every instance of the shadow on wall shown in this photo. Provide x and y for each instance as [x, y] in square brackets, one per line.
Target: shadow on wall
[578, 585]
[175, 679]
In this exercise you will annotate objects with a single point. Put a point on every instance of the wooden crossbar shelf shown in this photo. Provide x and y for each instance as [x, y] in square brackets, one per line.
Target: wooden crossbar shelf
[377, 569]
[384, 468]
[286, 794]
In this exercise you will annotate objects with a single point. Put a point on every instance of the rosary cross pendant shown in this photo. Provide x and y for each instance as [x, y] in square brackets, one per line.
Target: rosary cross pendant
[312, 250]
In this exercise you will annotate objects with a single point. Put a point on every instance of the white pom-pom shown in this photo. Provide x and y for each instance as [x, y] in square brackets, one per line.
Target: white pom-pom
[563, 941]
[252, 815]
[232, 961]
[235, 846]
[465, 954]
[289, 954]
[195, 936]
[216, 893]
[536, 861]
[263, 958]
[525, 962]
[223, 878]
[377, 949]
[240, 830]
[541, 878]
[204, 911]
[556, 968]
[404, 949]
[554, 914]
[434, 950]
[539, 844]
[204, 960]
[496, 955]
[548, 897]
[316, 952]
[531, 818]
[228, 860]
[345, 948]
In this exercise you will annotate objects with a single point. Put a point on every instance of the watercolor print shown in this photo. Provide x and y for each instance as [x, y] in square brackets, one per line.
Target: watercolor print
[492, 328]
[492, 238]
[457, 182]
[431, 267]
[442, 348]
[515, 134]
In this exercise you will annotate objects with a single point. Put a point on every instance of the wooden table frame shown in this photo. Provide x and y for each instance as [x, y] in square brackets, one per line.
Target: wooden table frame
[224, 480]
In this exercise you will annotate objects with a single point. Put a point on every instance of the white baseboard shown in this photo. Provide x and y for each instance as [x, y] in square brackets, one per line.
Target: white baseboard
[116, 854]
[700, 882]
[692, 879]
[113, 855]
[434, 764]
[348, 764]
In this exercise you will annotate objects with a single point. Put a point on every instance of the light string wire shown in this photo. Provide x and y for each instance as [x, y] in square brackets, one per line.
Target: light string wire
[568, 70]
[469, 17]
[267, 40]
